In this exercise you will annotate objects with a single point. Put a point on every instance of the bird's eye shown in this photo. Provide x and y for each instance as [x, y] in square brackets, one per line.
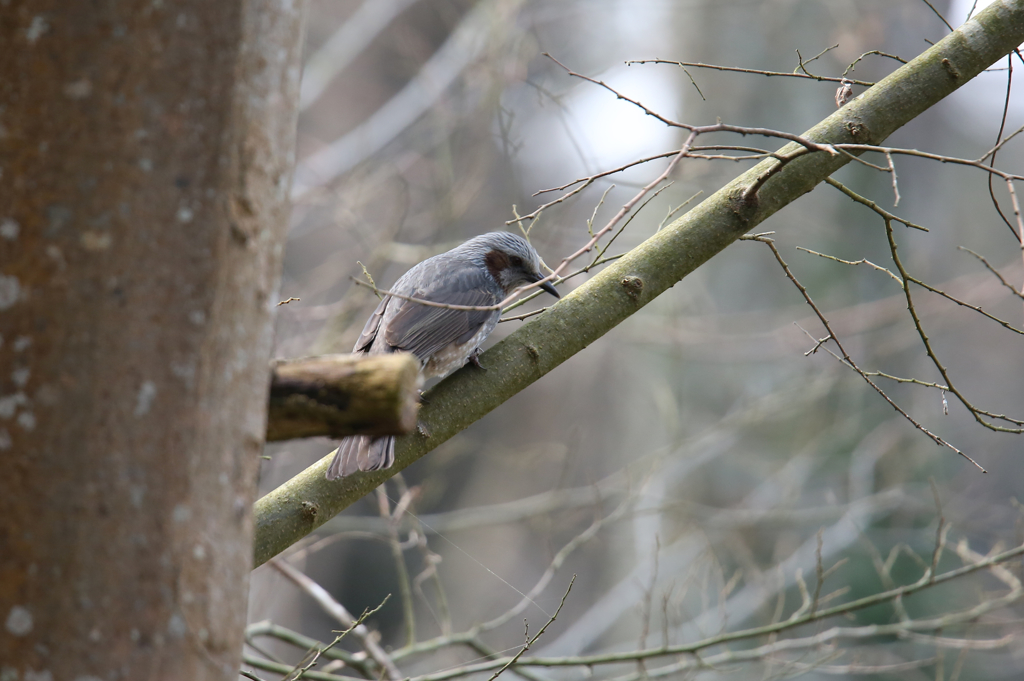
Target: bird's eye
[516, 261]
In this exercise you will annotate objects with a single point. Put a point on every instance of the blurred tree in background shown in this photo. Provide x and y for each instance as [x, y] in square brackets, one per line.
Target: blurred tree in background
[698, 468]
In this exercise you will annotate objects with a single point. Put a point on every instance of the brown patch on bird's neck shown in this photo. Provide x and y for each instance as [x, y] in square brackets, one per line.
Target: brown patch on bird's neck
[496, 261]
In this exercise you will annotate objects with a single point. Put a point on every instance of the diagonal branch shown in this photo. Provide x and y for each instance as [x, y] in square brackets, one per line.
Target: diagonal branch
[584, 315]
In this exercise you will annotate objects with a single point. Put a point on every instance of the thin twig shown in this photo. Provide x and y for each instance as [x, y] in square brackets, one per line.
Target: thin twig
[895, 185]
[994, 271]
[401, 570]
[340, 613]
[853, 64]
[738, 69]
[846, 359]
[802, 65]
[938, 14]
[871, 204]
[540, 633]
[943, 371]
[301, 669]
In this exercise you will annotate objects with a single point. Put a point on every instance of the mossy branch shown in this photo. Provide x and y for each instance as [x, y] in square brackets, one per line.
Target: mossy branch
[581, 317]
[338, 395]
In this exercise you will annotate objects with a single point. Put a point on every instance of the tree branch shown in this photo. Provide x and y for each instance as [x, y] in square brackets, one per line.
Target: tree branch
[338, 395]
[581, 317]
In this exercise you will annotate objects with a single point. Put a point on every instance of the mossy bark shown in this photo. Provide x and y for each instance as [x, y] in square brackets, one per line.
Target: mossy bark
[339, 395]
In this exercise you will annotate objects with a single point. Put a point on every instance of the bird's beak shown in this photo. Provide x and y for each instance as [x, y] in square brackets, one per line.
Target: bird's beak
[549, 287]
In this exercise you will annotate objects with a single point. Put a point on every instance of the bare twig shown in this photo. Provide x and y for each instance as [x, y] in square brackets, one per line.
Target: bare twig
[937, 13]
[845, 358]
[540, 633]
[402, 571]
[994, 271]
[340, 613]
[802, 64]
[895, 186]
[853, 64]
[978, 413]
[737, 69]
[301, 669]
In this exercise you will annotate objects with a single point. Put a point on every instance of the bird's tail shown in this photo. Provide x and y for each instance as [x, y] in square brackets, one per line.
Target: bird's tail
[362, 453]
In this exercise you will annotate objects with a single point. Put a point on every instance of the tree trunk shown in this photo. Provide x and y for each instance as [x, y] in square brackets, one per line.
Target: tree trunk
[146, 152]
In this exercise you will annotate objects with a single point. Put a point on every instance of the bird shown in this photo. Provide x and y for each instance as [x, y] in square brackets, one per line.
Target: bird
[480, 272]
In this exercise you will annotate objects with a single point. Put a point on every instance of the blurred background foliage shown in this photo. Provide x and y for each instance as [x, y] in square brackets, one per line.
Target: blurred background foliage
[719, 449]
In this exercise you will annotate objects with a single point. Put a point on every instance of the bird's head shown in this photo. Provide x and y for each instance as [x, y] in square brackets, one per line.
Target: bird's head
[510, 260]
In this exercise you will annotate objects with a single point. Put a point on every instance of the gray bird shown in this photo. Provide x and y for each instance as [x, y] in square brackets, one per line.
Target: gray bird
[483, 271]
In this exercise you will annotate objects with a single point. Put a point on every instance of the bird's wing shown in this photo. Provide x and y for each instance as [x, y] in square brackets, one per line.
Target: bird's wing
[372, 325]
[423, 329]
